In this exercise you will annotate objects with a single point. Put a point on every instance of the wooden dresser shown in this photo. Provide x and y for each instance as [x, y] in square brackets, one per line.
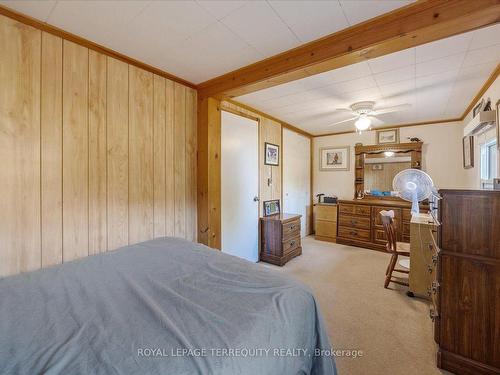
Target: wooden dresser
[467, 325]
[325, 221]
[280, 238]
[359, 222]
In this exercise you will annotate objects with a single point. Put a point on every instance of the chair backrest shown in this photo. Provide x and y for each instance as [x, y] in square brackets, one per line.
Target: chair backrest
[390, 229]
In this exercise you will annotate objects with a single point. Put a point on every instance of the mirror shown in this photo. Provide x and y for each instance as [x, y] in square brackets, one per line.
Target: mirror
[380, 170]
[376, 166]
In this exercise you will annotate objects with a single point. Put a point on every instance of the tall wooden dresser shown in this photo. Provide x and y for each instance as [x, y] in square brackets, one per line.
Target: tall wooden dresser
[467, 325]
[280, 238]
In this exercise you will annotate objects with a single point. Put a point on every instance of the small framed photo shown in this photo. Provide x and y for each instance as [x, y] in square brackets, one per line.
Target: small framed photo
[271, 207]
[271, 154]
[334, 158]
[386, 136]
[468, 151]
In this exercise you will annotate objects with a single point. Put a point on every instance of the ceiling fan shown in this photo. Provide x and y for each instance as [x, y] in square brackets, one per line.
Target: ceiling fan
[364, 111]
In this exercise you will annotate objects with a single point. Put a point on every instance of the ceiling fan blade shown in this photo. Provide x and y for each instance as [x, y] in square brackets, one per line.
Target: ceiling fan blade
[395, 108]
[346, 120]
[344, 110]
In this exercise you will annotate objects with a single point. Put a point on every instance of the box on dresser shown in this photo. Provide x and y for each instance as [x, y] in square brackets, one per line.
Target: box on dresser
[280, 238]
[467, 324]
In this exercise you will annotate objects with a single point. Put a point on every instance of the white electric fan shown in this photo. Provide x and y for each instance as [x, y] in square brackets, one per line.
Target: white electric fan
[413, 185]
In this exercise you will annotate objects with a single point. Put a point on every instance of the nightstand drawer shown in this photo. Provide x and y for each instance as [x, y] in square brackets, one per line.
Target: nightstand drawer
[291, 244]
[291, 229]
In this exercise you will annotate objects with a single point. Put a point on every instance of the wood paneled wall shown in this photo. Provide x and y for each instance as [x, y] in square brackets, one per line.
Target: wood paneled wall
[96, 154]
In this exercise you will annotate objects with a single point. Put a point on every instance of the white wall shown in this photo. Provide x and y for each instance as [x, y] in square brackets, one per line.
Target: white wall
[296, 177]
[472, 175]
[441, 156]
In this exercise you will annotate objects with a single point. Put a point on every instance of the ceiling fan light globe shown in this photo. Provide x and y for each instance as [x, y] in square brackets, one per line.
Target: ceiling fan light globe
[362, 123]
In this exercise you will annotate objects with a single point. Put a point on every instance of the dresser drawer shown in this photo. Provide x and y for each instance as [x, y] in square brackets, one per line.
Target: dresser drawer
[326, 228]
[356, 234]
[291, 229]
[355, 222]
[406, 215]
[362, 210]
[291, 244]
[406, 229]
[324, 212]
[346, 209]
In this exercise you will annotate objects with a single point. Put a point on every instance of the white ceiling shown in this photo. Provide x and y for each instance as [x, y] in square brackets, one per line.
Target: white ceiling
[199, 40]
[438, 79]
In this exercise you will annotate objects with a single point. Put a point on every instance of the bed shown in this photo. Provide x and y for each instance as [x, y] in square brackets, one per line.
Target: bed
[165, 306]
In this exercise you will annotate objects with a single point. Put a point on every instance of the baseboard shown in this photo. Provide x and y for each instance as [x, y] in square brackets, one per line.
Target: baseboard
[463, 366]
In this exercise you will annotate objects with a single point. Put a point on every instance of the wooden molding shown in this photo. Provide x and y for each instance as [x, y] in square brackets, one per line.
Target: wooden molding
[239, 113]
[263, 114]
[431, 122]
[409, 146]
[415, 24]
[481, 92]
[88, 44]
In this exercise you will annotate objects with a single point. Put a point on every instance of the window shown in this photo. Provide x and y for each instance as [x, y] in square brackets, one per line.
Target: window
[488, 164]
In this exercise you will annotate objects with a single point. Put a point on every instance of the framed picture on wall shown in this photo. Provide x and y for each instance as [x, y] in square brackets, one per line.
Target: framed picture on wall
[334, 158]
[468, 151]
[271, 207]
[271, 154]
[387, 136]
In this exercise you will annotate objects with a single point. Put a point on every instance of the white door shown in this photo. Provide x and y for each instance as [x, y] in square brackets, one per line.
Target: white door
[240, 186]
[296, 177]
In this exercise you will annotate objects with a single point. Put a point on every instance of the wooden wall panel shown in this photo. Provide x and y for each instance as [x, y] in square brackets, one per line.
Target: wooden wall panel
[97, 153]
[51, 149]
[180, 159]
[75, 151]
[20, 244]
[191, 225]
[169, 158]
[117, 145]
[141, 163]
[270, 132]
[159, 139]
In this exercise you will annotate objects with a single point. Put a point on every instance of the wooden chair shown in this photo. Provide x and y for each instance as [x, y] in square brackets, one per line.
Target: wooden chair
[395, 248]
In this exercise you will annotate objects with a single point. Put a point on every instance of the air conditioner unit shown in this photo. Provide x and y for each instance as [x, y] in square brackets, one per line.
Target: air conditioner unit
[483, 121]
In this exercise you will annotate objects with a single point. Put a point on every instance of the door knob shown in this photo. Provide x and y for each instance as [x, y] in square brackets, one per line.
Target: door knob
[256, 199]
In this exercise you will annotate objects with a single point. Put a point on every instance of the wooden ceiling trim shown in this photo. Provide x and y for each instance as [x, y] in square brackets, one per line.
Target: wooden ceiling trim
[415, 24]
[88, 44]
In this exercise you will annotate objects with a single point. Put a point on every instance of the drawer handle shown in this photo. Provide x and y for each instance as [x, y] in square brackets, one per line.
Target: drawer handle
[292, 243]
[433, 314]
[430, 268]
[431, 246]
[434, 259]
[353, 222]
[292, 227]
[433, 288]
[354, 233]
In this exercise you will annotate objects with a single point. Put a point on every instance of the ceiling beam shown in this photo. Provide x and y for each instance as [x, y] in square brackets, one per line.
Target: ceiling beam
[415, 24]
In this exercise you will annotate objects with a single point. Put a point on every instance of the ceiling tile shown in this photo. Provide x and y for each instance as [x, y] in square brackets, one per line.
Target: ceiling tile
[96, 20]
[440, 65]
[358, 11]
[482, 55]
[396, 75]
[485, 37]
[310, 20]
[34, 8]
[259, 26]
[221, 8]
[346, 73]
[393, 61]
[443, 47]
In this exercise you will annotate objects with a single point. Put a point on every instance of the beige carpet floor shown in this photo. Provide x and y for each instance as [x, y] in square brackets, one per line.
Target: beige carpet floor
[393, 331]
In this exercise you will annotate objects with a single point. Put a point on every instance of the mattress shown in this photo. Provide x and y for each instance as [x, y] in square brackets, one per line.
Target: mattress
[165, 306]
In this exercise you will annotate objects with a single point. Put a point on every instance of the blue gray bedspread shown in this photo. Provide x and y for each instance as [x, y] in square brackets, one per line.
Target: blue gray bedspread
[165, 306]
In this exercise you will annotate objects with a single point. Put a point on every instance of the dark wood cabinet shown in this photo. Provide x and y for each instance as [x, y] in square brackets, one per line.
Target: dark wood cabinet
[467, 326]
[359, 222]
[280, 238]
